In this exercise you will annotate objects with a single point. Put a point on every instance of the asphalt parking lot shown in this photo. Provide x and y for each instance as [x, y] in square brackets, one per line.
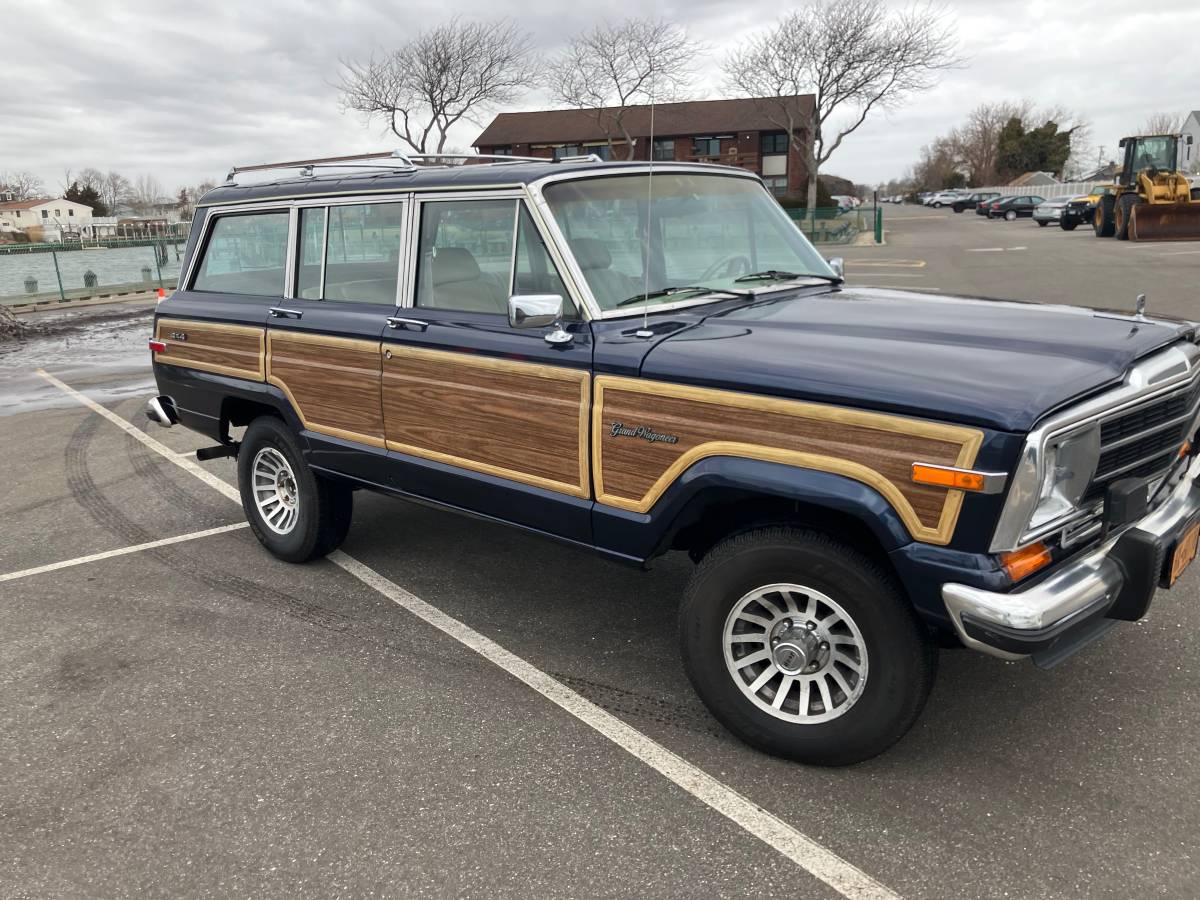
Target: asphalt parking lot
[939, 250]
[198, 719]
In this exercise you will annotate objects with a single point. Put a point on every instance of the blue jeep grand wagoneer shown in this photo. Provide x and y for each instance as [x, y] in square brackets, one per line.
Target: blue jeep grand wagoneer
[640, 359]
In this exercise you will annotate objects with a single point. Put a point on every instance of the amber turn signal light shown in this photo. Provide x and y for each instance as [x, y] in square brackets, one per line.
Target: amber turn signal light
[1024, 562]
[1185, 449]
[942, 476]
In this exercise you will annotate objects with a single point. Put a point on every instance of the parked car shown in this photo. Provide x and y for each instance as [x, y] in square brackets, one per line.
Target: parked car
[971, 201]
[942, 198]
[1050, 211]
[1011, 208]
[983, 207]
[1080, 210]
[1013, 478]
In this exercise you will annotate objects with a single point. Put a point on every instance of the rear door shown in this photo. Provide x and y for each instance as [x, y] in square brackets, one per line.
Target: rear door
[214, 325]
[479, 414]
[323, 342]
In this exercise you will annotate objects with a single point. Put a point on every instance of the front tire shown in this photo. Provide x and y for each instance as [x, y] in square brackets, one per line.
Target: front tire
[803, 647]
[1103, 224]
[1042, 223]
[1123, 213]
[295, 514]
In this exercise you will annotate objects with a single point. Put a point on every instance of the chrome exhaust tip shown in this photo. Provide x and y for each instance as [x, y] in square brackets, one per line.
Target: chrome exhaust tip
[161, 411]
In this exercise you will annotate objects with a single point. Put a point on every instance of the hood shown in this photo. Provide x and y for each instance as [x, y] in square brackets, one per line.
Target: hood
[995, 363]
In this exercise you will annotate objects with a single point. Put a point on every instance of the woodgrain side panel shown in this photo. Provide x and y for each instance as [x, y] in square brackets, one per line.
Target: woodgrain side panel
[235, 350]
[518, 420]
[333, 383]
[876, 449]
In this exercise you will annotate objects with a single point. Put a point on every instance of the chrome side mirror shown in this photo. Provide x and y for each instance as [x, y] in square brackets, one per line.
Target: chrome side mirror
[839, 267]
[539, 311]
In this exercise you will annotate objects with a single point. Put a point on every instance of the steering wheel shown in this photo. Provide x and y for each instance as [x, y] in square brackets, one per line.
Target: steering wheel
[730, 266]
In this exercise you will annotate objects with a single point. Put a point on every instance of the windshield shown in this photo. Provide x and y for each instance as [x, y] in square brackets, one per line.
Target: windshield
[674, 236]
[1155, 152]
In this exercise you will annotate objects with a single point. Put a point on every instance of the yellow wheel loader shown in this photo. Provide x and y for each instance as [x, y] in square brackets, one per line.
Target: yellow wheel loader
[1153, 200]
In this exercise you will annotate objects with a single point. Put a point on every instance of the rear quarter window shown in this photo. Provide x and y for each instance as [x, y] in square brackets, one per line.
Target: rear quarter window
[246, 253]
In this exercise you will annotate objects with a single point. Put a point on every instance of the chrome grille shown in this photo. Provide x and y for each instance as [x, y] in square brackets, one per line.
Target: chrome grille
[1145, 441]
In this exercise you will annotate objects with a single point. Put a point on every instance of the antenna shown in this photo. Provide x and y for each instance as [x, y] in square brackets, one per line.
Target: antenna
[644, 331]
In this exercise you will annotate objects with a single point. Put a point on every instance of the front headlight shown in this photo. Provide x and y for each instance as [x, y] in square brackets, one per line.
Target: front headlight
[1068, 464]
[1048, 485]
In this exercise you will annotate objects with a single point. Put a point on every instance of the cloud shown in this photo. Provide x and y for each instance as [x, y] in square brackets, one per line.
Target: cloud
[182, 90]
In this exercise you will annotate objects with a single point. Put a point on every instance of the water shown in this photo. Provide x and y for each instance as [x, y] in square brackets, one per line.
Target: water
[116, 266]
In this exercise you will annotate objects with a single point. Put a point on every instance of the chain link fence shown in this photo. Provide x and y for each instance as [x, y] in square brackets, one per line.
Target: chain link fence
[834, 225]
[35, 274]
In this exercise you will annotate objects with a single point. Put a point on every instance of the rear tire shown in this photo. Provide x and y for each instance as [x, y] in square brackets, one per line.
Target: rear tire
[1102, 219]
[294, 513]
[858, 636]
[1010, 215]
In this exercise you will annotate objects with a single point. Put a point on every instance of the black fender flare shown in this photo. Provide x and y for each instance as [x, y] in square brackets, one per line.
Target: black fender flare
[718, 480]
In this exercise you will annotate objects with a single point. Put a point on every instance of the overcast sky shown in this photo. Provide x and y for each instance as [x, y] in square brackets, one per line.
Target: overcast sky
[183, 90]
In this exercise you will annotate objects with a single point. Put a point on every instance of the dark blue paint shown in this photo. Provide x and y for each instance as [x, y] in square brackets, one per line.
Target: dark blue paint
[992, 363]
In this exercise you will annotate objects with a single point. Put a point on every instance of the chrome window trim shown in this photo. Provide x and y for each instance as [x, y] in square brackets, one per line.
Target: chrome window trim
[322, 197]
[292, 207]
[289, 272]
[536, 187]
[412, 255]
[1163, 372]
[210, 221]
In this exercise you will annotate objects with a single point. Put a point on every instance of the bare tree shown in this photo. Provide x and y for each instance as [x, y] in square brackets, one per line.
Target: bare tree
[92, 178]
[114, 191]
[23, 185]
[440, 77]
[1164, 123]
[977, 141]
[853, 56]
[613, 66]
[144, 193]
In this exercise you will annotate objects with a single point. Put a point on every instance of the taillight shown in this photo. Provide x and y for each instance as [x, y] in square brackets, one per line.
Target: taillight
[158, 346]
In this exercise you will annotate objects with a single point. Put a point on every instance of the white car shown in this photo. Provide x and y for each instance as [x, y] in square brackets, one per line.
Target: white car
[943, 198]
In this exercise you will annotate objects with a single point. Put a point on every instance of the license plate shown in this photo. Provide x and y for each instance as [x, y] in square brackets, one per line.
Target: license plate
[1185, 552]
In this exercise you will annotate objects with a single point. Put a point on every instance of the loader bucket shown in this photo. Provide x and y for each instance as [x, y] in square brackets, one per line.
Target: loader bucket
[1165, 222]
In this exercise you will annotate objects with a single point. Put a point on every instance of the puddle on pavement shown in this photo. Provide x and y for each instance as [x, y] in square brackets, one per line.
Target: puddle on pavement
[102, 354]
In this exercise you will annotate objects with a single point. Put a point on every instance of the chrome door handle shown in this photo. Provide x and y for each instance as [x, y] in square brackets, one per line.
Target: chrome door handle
[280, 313]
[406, 324]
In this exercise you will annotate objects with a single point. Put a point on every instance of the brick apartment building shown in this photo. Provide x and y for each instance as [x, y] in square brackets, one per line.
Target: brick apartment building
[734, 132]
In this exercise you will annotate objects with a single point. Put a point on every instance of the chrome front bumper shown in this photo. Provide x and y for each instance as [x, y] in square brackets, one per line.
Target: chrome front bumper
[1077, 593]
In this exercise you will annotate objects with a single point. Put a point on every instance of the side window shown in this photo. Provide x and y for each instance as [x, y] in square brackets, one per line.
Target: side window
[362, 255]
[308, 260]
[536, 272]
[465, 255]
[245, 254]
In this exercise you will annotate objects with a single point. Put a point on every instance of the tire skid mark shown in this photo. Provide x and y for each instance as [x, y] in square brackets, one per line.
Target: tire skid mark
[110, 517]
[639, 705]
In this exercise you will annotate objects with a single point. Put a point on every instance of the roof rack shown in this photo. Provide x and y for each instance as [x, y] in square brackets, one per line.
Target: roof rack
[407, 162]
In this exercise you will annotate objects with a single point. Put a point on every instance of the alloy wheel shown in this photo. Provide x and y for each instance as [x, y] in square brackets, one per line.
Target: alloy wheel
[795, 653]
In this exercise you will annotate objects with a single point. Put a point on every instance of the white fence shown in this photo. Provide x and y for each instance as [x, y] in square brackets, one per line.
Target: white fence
[1046, 191]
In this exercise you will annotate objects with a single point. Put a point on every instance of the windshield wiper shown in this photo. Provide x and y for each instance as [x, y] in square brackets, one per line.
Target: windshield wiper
[778, 275]
[664, 292]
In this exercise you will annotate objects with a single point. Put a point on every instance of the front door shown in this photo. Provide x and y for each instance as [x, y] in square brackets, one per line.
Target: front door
[478, 414]
[323, 343]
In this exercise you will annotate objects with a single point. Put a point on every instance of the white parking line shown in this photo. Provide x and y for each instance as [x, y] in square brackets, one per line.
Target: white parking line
[184, 461]
[845, 878]
[123, 551]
